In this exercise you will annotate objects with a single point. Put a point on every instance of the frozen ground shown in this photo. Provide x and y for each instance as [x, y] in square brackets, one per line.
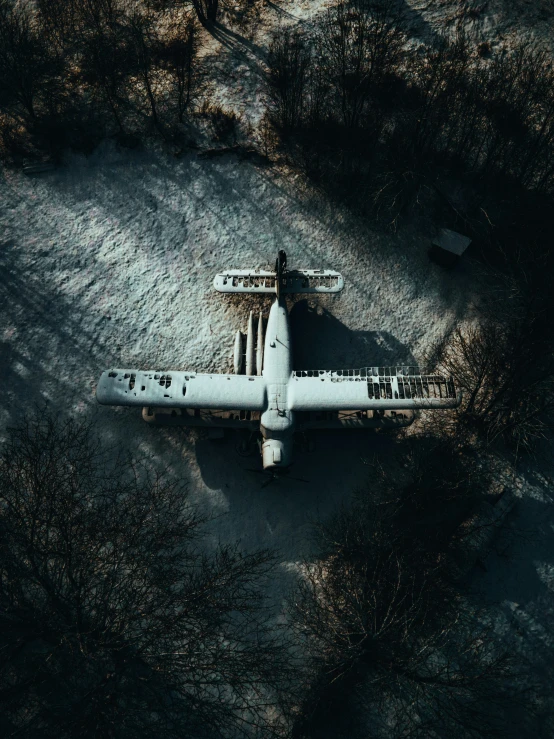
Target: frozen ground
[109, 262]
[517, 581]
[497, 21]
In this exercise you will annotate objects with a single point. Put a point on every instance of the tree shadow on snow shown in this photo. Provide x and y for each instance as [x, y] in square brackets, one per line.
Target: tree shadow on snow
[42, 329]
[517, 580]
[235, 41]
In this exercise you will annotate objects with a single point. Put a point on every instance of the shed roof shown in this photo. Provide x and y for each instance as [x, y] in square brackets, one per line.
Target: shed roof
[451, 241]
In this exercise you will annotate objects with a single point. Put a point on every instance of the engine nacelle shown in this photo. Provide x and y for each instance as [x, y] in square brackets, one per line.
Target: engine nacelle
[250, 352]
[249, 359]
[238, 358]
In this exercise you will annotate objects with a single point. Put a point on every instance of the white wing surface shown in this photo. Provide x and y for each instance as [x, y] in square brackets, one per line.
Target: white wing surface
[181, 390]
[368, 389]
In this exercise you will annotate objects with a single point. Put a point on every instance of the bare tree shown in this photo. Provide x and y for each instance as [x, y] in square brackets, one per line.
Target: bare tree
[104, 57]
[289, 61]
[206, 10]
[59, 22]
[23, 57]
[178, 56]
[395, 649]
[518, 99]
[361, 42]
[502, 363]
[114, 619]
[146, 44]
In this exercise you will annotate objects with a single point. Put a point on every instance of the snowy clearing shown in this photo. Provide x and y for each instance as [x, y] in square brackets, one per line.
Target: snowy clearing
[109, 261]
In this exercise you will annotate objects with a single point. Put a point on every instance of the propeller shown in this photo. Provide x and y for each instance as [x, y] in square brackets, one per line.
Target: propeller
[273, 476]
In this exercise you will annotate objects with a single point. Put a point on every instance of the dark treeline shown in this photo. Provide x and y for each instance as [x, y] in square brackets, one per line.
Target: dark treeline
[116, 620]
[395, 647]
[376, 114]
[74, 72]
[382, 123]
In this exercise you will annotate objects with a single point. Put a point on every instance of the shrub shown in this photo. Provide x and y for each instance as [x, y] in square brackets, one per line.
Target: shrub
[502, 364]
[224, 122]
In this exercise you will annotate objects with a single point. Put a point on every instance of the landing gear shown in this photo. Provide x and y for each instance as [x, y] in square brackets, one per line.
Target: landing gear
[304, 442]
[246, 444]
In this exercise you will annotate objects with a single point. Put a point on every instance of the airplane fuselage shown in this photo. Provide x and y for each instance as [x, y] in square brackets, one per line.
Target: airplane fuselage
[277, 420]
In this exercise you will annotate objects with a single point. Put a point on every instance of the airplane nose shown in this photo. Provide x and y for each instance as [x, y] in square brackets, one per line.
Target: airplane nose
[274, 454]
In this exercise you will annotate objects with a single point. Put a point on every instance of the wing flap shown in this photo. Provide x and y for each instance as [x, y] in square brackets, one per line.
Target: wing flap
[210, 419]
[181, 390]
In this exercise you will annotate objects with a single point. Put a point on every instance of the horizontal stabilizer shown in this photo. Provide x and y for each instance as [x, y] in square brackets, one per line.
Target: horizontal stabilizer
[294, 281]
[312, 281]
[245, 281]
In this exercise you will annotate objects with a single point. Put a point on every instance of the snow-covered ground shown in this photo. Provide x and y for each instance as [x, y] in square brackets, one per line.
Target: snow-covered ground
[517, 578]
[108, 262]
[496, 21]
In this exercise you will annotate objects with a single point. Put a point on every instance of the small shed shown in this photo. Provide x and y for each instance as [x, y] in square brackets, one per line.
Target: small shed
[448, 246]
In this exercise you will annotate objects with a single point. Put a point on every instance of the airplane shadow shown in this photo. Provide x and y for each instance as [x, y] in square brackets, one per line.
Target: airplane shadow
[328, 465]
[321, 341]
[280, 513]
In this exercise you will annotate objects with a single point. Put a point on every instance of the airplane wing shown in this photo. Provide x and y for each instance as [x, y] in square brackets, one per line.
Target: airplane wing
[372, 388]
[181, 390]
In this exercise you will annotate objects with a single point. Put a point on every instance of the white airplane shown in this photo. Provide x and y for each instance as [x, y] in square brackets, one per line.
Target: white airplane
[265, 394]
